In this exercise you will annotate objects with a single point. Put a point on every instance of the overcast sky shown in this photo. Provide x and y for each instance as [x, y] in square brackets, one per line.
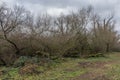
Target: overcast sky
[56, 7]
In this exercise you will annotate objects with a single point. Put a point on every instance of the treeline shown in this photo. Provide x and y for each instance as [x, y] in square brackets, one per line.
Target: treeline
[77, 34]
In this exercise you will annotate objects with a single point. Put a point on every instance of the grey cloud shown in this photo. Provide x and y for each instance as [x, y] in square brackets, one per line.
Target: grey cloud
[100, 6]
[53, 7]
[57, 3]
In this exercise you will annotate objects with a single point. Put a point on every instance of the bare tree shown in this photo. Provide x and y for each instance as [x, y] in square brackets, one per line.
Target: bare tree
[10, 19]
[104, 34]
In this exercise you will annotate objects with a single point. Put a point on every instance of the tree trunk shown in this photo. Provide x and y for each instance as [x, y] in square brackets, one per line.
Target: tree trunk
[107, 47]
[13, 44]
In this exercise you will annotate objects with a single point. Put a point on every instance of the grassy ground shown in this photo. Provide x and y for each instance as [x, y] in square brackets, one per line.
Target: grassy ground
[102, 68]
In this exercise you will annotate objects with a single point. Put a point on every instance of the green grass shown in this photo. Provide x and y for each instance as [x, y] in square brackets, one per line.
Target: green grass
[69, 69]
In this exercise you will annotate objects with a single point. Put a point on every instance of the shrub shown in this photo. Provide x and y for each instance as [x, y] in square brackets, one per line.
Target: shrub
[20, 61]
[26, 60]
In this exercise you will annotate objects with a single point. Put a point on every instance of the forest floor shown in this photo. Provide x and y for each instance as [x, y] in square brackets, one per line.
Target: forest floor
[98, 68]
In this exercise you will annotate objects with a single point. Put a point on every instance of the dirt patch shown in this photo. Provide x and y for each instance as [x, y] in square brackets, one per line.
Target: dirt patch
[91, 76]
[97, 71]
[92, 64]
[103, 77]
[86, 76]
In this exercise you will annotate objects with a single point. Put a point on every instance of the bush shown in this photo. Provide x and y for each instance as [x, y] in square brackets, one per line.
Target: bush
[21, 61]
[25, 60]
